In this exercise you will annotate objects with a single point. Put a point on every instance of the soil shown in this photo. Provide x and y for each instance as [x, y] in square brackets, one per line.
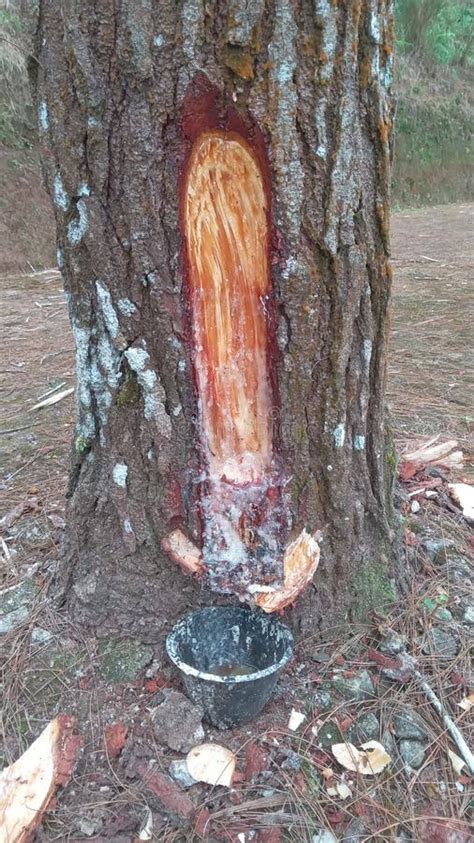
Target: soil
[280, 792]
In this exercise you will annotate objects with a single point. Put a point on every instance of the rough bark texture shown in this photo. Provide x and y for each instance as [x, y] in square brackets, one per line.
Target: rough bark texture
[314, 77]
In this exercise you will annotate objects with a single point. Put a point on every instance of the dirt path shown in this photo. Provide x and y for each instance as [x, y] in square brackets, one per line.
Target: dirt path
[430, 385]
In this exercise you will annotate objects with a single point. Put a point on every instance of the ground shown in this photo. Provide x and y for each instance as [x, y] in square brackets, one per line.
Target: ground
[341, 686]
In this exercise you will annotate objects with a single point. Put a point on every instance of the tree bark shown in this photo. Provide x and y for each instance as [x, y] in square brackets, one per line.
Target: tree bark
[119, 87]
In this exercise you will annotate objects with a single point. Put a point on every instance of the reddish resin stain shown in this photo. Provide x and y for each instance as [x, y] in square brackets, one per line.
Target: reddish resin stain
[227, 252]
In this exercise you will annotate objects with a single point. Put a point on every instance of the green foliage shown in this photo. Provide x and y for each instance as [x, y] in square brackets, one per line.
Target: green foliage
[436, 30]
[433, 137]
[16, 112]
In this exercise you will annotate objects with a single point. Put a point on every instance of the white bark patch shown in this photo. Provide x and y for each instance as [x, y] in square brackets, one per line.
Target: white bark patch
[107, 308]
[154, 395]
[43, 117]
[159, 40]
[126, 307]
[367, 352]
[325, 13]
[285, 143]
[192, 20]
[84, 189]
[60, 257]
[127, 526]
[359, 443]
[60, 197]
[243, 16]
[120, 474]
[339, 435]
[78, 227]
[85, 425]
[109, 360]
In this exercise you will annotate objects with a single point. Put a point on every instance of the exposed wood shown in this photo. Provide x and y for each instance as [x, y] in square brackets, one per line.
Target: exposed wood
[28, 786]
[227, 246]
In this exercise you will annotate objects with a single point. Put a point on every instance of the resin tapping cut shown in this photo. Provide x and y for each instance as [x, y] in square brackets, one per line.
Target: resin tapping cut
[225, 205]
[226, 235]
[226, 230]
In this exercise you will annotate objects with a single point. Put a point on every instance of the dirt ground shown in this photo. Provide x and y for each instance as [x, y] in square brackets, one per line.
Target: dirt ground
[281, 791]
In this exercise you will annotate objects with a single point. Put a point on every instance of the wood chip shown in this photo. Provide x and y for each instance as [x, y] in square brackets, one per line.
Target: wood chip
[296, 719]
[429, 452]
[463, 495]
[211, 763]
[369, 760]
[27, 787]
[299, 566]
[457, 762]
[53, 399]
[467, 702]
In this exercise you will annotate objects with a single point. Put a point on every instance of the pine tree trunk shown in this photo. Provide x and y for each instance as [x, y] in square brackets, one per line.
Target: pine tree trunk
[123, 92]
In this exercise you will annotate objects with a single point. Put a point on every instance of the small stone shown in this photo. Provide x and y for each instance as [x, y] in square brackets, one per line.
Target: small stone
[292, 761]
[359, 687]
[15, 605]
[180, 773]
[177, 722]
[122, 661]
[323, 835]
[441, 644]
[393, 643]
[88, 826]
[13, 619]
[366, 728]
[412, 752]
[468, 616]
[442, 614]
[459, 568]
[329, 734]
[437, 549]
[322, 699]
[40, 637]
[153, 669]
[409, 725]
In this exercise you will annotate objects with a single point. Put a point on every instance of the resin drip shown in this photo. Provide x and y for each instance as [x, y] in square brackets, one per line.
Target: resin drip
[226, 229]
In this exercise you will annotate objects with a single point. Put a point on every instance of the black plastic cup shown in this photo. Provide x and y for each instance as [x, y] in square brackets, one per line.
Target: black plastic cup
[230, 659]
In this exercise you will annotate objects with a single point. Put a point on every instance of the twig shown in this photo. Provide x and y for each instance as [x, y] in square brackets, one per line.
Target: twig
[447, 720]
[402, 667]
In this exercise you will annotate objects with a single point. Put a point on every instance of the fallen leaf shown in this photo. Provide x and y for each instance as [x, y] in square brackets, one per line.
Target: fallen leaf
[296, 719]
[467, 702]
[211, 763]
[457, 762]
[28, 785]
[368, 760]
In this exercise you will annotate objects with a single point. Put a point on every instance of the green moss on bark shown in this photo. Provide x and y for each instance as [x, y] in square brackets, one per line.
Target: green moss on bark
[373, 589]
